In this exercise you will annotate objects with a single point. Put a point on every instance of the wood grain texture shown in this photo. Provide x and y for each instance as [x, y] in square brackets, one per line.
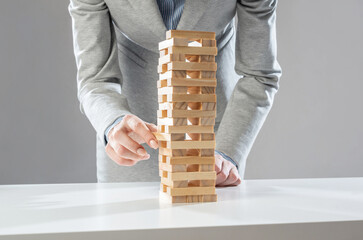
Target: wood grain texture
[186, 116]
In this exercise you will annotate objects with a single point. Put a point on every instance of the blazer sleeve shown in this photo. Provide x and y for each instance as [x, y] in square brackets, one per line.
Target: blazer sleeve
[99, 77]
[259, 72]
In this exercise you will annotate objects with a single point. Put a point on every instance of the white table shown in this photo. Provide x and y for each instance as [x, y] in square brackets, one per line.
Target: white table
[257, 209]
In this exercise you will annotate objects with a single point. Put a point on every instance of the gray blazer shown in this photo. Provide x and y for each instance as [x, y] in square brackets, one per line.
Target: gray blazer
[116, 52]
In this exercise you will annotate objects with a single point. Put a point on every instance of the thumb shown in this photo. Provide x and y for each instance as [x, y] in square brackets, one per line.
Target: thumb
[218, 163]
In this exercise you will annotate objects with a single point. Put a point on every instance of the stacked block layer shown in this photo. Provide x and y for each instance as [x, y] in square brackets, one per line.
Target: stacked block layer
[186, 116]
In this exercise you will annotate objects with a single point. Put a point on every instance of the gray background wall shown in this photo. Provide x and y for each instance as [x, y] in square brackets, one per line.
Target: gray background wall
[314, 129]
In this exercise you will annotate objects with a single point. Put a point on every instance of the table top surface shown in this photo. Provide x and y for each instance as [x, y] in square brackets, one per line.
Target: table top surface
[59, 208]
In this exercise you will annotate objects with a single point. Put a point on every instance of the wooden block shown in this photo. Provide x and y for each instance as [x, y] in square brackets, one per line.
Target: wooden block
[175, 106]
[163, 187]
[162, 98]
[193, 90]
[207, 152]
[190, 191]
[162, 83]
[178, 176]
[202, 51]
[177, 199]
[176, 136]
[185, 113]
[187, 98]
[174, 184]
[203, 198]
[174, 74]
[193, 168]
[189, 144]
[173, 42]
[192, 35]
[189, 129]
[196, 66]
[172, 90]
[193, 152]
[165, 60]
[208, 106]
[172, 152]
[162, 68]
[192, 58]
[190, 160]
[210, 198]
[194, 199]
[173, 167]
[207, 183]
[194, 136]
[207, 58]
[207, 90]
[175, 82]
[171, 57]
[207, 121]
[172, 121]
[162, 136]
[206, 167]
[207, 74]
[164, 52]
[207, 136]
[194, 105]
[209, 43]
[189, 199]
[193, 74]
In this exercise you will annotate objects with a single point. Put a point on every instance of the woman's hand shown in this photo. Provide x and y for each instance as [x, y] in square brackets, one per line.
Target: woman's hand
[227, 173]
[125, 139]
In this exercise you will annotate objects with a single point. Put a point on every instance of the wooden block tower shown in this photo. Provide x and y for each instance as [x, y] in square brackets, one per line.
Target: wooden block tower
[186, 116]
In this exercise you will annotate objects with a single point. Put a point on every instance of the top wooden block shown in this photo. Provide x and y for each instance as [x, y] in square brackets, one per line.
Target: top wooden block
[190, 35]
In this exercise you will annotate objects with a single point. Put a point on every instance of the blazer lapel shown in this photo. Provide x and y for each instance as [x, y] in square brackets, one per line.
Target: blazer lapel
[149, 13]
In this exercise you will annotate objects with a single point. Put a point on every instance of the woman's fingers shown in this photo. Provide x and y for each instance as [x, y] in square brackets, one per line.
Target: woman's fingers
[218, 163]
[121, 138]
[138, 126]
[125, 139]
[152, 127]
[119, 160]
[126, 153]
[227, 173]
[233, 178]
[223, 174]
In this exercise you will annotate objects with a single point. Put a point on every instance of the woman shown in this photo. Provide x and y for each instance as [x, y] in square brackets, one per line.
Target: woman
[116, 51]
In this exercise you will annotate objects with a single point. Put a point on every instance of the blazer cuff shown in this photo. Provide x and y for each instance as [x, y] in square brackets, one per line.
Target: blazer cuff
[108, 129]
[225, 156]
